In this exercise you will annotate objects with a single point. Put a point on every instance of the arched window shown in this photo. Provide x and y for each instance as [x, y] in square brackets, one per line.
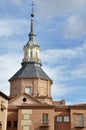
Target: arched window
[28, 89]
[59, 118]
[36, 54]
[66, 118]
[31, 55]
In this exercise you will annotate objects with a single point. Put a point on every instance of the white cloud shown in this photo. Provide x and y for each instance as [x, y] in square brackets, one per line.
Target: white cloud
[84, 46]
[9, 64]
[63, 91]
[57, 55]
[9, 27]
[16, 2]
[48, 9]
[56, 73]
[80, 71]
[75, 26]
[65, 64]
[60, 90]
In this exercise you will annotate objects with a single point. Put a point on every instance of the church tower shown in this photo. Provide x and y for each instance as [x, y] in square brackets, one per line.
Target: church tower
[31, 78]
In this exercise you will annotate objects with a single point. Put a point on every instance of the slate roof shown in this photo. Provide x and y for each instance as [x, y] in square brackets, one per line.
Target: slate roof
[30, 70]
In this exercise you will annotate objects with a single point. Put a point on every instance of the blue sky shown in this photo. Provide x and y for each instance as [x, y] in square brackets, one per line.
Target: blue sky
[60, 26]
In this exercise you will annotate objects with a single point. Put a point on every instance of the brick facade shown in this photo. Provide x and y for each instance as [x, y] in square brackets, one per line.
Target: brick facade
[3, 110]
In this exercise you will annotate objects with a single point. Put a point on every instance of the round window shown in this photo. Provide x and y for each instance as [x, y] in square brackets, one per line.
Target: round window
[24, 99]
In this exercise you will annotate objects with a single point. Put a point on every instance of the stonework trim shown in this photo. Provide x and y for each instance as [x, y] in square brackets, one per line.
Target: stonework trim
[26, 128]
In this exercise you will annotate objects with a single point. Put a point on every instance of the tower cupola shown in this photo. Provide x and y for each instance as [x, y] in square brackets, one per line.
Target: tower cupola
[32, 49]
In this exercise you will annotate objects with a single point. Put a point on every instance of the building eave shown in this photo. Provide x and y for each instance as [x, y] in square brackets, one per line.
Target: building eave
[4, 96]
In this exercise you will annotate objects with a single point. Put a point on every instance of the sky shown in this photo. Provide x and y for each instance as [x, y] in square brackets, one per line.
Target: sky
[60, 27]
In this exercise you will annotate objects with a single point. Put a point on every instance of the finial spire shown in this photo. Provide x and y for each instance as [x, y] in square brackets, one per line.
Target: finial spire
[32, 34]
[32, 8]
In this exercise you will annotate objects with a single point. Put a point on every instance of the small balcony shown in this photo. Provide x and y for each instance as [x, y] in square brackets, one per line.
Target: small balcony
[44, 124]
[80, 125]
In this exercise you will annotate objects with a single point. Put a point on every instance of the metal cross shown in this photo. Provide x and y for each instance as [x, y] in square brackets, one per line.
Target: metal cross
[32, 7]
